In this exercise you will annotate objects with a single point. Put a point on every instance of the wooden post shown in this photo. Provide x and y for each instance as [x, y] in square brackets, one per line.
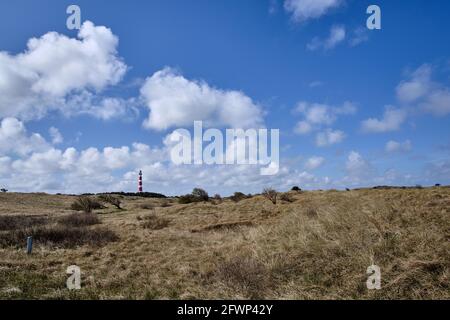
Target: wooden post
[29, 245]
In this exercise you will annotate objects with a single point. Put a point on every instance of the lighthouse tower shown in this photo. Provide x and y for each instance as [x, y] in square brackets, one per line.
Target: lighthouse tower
[140, 182]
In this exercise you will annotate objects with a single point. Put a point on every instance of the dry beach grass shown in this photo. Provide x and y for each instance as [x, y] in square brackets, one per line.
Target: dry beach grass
[317, 245]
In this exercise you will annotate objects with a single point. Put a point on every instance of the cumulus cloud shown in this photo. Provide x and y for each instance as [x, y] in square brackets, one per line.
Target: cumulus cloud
[329, 137]
[394, 146]
[175, 101]
[318, 116]
[392, 120]
[420, 89]
[314, 163]
[303, 10]
[358, 169]
[56, 136]
[51, 169]
[55, 66]
[14, 139]
[336, 36]
[417, 86]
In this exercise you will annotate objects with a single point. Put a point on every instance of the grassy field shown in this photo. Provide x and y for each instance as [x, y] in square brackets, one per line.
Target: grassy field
[318, 245]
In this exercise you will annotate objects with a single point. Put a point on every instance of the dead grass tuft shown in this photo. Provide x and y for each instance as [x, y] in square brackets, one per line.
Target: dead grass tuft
[246, 274]
[153, 222]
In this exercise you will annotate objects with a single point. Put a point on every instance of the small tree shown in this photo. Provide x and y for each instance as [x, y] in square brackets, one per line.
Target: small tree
[296, 188]
[270, 194]
[200, 194]
[238, 196]
[3, 190]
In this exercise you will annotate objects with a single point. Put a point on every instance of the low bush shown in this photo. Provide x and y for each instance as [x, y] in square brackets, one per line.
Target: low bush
[197, 195]
[17, 222]
[60, 236]
[86, 204]
[79, 220]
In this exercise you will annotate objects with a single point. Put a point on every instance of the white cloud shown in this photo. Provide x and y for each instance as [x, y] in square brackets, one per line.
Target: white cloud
[391, 121]
[314, 163]
[316, 113]
[323, 114]
[53, 67]
[103, 108]
[303, 10]
[358, 169]
[176, 101]
[15, 139]
[329, 137]
[51, 169]
[303, 127]
[417, 86]
[430, 96]
[437, 102]
[316, 116]
[394, 146]
[316, 84]
[359, 36]
[56, 136]
[337, 35]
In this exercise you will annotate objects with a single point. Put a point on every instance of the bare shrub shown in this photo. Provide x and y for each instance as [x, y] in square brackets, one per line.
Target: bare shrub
[79, 220]
[153, 222]
[58, 236]
[246, 274]
[86, 204]
[270, 194]
[115, 201]
[18, 222]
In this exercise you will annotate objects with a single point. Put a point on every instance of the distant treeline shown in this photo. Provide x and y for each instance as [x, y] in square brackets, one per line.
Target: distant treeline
[131, 194]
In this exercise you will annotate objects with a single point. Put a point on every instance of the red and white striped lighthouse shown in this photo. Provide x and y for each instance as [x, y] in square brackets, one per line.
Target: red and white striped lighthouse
[140, 181]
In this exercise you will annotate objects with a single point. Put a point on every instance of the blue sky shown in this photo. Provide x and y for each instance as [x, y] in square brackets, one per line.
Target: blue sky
[355, 107]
